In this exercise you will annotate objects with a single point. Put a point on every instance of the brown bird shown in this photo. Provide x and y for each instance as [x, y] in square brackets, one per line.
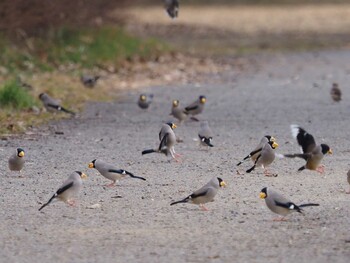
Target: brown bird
[336, 92]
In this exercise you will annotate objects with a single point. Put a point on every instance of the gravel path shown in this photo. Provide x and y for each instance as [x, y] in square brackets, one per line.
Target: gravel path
[135, 222]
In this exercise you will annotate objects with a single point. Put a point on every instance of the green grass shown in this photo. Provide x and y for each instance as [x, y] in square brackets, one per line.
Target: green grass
[86, 48]
[14, 96]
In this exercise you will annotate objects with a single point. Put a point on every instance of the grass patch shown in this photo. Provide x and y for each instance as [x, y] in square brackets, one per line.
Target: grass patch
[14, 96]
[84, 48]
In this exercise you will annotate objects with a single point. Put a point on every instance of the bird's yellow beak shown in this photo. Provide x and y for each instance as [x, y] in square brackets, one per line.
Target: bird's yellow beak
[330, 151]
[175, 103]
[91, 165]
[21, 154]
[274, 145]
[174, 126]
[83, 176]
[203, 100]
[223, 184]
[262, 195]
[143, 97]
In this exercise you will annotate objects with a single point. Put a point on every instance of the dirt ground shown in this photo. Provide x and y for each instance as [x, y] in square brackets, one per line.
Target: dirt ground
[248, 97]
[135, 222]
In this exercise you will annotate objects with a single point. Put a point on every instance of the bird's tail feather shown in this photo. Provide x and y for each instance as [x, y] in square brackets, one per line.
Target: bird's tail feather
[251, 169]
[181, 201]
[67, 111]
[148, 151]
[48, 202]
[134, 176]
[309, 204]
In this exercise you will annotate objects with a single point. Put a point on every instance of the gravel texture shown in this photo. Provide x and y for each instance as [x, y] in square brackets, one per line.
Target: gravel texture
[135, 223]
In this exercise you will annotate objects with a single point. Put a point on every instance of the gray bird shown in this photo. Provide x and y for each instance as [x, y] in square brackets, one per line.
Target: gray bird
[311, 153]
[68, 190]
[178, 112]
[279, 204]
[89, 81]
[265, 157]
[336, 92]
[205, 194]
[52, 105]
[255, 153]
[172, 8]
[196, 107]
[205, 134]
[16, 160]
[110, 172]
[167, 139]
[145, 100]
[348, 177]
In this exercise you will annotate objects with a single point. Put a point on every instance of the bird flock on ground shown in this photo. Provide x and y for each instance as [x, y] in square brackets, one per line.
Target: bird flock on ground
[262, 156]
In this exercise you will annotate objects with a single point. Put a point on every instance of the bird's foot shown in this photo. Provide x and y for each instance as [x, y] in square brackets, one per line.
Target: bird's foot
[71, 202]
[320, 169]
[177, 155]
[110, 185]
[280, 219]
[203, 208]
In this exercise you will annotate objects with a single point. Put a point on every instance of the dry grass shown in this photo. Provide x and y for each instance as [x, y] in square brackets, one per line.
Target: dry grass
[255, 19]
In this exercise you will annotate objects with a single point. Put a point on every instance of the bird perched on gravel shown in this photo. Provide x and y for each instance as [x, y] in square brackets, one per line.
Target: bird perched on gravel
[196, 107]
[172, 8]
[348, 177]
[178, 112]
[52, 105]
[265, 157]
[89, 81]
[111, 172]
[310, 152]
[68, 190]
[167, 139]
[336, 92]
[205, 134]
[256, 152]
[279, 204]
[17, 161]
[145, 100]
[205, 194]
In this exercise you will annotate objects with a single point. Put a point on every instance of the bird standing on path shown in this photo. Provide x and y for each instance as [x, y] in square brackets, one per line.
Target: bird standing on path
[145, 100]
[205, 134]
[279, 204]
[52, 105]
[336, 92]
[167, 139]
[69, 189]
[178, 112]
[205, 194]
[111, 172]
[196, 107]
[17, 161]
[311, 153]
[89, 81]
[172, 8]
[265, 157]
[256, 152]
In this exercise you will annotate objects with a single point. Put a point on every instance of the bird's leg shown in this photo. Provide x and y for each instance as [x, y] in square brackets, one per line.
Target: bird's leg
[280, 219]
[110, 185]
[203, 207]
[20, 174]
[320, 169]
